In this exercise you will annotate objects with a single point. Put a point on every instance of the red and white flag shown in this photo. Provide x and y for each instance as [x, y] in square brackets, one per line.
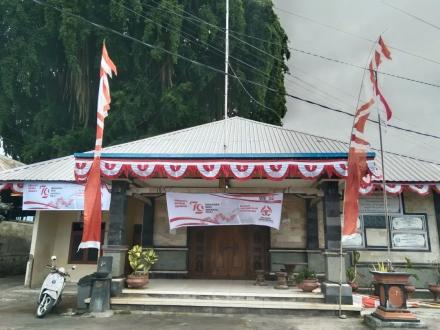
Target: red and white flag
[357, 156]
[91, 237]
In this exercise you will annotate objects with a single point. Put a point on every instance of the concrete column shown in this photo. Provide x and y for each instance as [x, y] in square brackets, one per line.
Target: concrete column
[148, 224]
[312, 225]
[332, 224]
[116, 237]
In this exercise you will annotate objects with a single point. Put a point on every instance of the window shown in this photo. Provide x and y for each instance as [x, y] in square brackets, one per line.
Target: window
[83, 256]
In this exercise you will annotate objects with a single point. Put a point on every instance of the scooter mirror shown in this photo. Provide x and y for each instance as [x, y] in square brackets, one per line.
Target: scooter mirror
[53, 258]
[73, 267]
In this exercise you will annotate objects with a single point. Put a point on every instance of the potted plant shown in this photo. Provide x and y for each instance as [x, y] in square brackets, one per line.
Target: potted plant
[435, 288]
[351, 272]
[140, 261]
[410, 288]
[307, 280]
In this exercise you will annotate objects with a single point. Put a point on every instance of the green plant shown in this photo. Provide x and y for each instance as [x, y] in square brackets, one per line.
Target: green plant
[351, 274]
[141, 260]
[409, 265]
[436, 265]
[305, 274]
[383, 267]
[351, 271]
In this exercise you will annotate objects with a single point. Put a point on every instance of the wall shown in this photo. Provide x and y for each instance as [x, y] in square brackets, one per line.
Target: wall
[413, 203]
[162, 236]
[15, 242]
[292, 233]
[52, 237]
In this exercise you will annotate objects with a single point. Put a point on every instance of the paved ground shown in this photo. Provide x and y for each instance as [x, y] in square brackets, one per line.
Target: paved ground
[17, 311]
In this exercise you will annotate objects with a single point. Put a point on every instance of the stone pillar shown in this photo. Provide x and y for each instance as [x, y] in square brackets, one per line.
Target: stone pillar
[436, 197]
[148, 224]
[116, 236]
[332, 225]
[312, 225]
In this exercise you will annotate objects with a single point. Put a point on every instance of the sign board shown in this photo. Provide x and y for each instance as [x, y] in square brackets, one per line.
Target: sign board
[409, 240]
[185, 210]
[374, 204]
[59, 196]
[408, 222]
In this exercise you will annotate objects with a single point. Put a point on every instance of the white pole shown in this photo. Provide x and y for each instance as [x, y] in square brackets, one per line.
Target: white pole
[226, 72]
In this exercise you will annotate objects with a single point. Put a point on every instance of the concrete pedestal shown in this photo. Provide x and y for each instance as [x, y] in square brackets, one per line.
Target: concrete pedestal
[119, 253]
[331, 293]
[100, 300]
[375, 323]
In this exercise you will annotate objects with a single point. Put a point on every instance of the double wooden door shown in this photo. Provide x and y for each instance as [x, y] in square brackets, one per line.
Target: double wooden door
[227, 252]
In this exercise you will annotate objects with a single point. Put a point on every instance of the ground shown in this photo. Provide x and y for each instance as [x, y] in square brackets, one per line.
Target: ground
[17, 311]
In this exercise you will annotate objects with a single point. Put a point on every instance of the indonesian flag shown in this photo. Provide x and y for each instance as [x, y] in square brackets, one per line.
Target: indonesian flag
[357, 155]
[91, 237]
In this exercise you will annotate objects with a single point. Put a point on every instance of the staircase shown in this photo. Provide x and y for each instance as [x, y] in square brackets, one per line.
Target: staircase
[224, 297]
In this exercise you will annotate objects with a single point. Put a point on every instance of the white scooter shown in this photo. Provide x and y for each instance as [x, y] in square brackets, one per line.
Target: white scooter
[52, 288]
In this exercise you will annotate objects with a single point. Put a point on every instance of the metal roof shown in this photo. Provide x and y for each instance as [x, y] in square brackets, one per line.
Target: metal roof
[244, 137]
[7, 163]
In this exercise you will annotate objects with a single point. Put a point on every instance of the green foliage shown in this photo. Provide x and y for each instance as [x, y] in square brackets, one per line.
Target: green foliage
[351, 273]
[305, 274]
[409, 265]
[49, 70]
[141, 260]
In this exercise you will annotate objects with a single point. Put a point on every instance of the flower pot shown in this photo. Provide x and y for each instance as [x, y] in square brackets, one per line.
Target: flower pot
[435, 290]
[354, 286]
[309, 285]
[410, 289]
[137, 281]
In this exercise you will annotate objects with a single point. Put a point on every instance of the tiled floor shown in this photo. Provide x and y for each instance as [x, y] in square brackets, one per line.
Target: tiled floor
[219, 287]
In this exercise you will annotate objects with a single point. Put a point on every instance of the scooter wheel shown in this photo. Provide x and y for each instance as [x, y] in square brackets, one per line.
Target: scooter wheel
[45, 305]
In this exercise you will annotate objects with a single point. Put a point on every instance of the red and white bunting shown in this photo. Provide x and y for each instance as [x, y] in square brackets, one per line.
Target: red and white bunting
[340, 169]
[81, 170]
[175, 171]
[111, 169]
[209, 171]
[421, 189]
[142, 171]
[276, 171]
[242, 171]
[309, 171]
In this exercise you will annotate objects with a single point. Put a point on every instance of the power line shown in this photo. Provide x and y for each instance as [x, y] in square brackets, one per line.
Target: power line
[295, 49]
[412, 16]
[331, 27]
[252, 98]
[101, 27]
[362, 68]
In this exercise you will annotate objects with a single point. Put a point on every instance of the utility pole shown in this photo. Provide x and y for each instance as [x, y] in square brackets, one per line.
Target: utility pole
[226, 74]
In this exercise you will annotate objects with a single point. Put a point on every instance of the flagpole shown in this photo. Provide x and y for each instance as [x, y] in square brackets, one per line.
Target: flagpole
[340, 315]
[385, 199]
[226, 74]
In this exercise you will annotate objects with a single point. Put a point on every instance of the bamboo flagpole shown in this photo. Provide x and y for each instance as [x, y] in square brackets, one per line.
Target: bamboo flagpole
[357, 156]
[340, 315]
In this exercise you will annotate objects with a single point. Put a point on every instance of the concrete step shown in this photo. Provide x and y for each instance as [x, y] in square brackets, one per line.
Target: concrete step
[227, 306]
[271, 295]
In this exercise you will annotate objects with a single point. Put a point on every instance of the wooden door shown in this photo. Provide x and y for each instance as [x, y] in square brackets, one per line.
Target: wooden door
[227, 252]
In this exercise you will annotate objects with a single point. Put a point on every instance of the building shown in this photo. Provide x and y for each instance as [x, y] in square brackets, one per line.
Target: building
[259, 159]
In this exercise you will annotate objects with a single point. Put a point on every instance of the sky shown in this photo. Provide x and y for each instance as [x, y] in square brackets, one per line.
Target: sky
[337, 29]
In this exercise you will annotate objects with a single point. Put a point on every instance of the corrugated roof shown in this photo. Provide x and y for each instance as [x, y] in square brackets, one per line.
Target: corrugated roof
[7, 163]
[243, 137]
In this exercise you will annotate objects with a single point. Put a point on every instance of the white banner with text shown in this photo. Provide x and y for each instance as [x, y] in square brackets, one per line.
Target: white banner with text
[59, 196]
[186, 210]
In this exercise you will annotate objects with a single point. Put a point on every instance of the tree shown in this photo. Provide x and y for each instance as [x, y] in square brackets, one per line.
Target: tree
[49, 64]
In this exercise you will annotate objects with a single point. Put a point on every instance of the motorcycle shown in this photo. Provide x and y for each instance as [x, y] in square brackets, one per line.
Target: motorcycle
[52, 288]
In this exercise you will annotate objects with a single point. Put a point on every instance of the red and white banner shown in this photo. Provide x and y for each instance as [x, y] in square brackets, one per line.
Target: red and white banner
[91, 237]
[59, 196]
[186, 210]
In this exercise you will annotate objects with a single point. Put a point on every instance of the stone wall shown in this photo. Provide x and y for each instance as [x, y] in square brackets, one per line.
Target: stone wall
[15, 242]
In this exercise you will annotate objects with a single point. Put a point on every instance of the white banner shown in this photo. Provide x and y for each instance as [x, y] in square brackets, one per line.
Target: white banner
[59, 196]
[186, 210]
